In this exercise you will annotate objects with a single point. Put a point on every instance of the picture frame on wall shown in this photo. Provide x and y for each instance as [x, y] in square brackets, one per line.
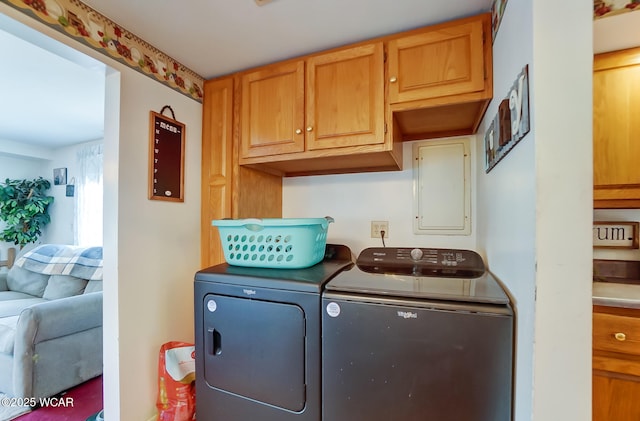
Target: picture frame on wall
[497, 10]
[166, 158]
[59, 176]
[511, 122]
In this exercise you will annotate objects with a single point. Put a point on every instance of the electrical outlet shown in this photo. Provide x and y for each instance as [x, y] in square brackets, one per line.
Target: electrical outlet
[377, 226]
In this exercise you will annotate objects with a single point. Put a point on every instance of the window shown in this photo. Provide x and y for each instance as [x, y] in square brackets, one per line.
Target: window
[88, 210]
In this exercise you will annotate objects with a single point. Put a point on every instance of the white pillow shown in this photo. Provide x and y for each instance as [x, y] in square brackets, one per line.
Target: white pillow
[61, 286]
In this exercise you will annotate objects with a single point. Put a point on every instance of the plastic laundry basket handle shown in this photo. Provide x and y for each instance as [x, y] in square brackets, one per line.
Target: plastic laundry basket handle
[254, 224]
[329, 220]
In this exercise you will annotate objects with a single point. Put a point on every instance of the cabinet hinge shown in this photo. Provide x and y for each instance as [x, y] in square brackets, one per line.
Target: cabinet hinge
[385, 128]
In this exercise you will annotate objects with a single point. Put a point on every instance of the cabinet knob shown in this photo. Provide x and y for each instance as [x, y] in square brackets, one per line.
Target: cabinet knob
[309, 128]
[393, 79]
[620, 336]
[298, 131]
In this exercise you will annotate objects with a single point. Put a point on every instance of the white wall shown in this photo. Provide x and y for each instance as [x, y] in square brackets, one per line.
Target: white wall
[62, 210]
[507, 200]
[535, 206]
[16, 168]
[152, 248]
[354, 200]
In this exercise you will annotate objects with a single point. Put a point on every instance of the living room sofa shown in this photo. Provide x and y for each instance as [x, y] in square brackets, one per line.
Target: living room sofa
[50, 320]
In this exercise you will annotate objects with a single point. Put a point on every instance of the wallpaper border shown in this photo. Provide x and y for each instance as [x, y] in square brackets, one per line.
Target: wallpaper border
[82, 23]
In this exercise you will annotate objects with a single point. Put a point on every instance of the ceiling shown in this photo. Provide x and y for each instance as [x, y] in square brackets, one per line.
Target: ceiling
[54, 96]
[216, 37]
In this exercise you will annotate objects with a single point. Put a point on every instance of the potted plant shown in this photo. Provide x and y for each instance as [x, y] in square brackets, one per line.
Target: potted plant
[24, 208]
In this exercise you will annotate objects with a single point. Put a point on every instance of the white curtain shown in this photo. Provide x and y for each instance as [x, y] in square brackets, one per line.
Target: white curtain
[88, 186]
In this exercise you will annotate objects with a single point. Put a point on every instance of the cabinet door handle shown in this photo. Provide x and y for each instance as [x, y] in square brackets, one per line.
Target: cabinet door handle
[309, 128]
[393, 79]
[298, 131]
[620, 336]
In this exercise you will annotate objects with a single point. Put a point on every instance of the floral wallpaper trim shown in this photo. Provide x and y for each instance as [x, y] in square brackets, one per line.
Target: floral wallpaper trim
[607, 8]
[82, 23]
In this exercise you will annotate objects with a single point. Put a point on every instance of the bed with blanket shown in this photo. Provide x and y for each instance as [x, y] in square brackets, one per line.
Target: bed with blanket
[50, 320]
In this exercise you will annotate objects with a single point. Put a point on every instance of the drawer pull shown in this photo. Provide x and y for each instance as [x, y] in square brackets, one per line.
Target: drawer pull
[620, 336]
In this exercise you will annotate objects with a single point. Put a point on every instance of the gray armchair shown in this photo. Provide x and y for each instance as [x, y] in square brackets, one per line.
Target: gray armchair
[50, 323]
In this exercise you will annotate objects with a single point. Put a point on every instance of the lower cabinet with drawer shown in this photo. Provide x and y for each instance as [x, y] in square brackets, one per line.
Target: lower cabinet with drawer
[616, 364]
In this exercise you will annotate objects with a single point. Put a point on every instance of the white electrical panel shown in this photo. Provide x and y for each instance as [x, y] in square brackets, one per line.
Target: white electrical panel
[442, 187]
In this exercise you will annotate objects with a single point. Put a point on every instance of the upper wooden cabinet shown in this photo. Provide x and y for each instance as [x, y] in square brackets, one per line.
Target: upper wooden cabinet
[345, 98]
[321, 114]
[440, 78]
[438, 62]
[349, 108]
[273, 110]
[616, 129]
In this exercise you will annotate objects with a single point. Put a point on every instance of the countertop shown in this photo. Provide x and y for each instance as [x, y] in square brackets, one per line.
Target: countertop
[616, 295]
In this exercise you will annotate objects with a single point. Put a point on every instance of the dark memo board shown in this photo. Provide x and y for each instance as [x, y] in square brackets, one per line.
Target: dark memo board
[166, 158]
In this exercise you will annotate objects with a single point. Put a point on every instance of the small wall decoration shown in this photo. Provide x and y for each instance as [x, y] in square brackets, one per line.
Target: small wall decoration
[70, 191]
[166, 157]
[620, 235]
[497, 10]
[511, 122]
[59, 176]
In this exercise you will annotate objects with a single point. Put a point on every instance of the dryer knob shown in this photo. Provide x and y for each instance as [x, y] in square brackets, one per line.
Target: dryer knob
[416, 254]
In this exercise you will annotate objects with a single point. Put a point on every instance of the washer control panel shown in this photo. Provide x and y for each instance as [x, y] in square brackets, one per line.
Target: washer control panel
[421, 261]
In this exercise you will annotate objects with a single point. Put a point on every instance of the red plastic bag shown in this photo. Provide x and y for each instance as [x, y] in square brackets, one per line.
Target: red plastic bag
[176, 382]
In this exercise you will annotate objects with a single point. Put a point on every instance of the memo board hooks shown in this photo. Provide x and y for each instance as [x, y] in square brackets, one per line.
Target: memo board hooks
[173, 116]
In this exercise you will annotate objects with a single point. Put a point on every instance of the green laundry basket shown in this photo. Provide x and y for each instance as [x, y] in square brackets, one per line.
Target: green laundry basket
[290, 243]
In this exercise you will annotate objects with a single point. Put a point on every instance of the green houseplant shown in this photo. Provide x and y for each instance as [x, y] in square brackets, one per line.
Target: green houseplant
[24, 208]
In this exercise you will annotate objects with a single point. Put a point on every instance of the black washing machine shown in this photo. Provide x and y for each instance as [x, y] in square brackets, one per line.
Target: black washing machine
[258, 340]
[414, 335]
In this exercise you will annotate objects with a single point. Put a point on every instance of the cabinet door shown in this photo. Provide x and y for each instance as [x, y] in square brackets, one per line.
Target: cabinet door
[217, 150]
[615, 397]
[442, 61]
[345, 98]
[616, 127]
[273, 110]
[616, 364]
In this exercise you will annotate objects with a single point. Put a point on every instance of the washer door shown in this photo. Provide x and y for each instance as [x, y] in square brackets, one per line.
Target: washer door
[255, 349]
[401, 362]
